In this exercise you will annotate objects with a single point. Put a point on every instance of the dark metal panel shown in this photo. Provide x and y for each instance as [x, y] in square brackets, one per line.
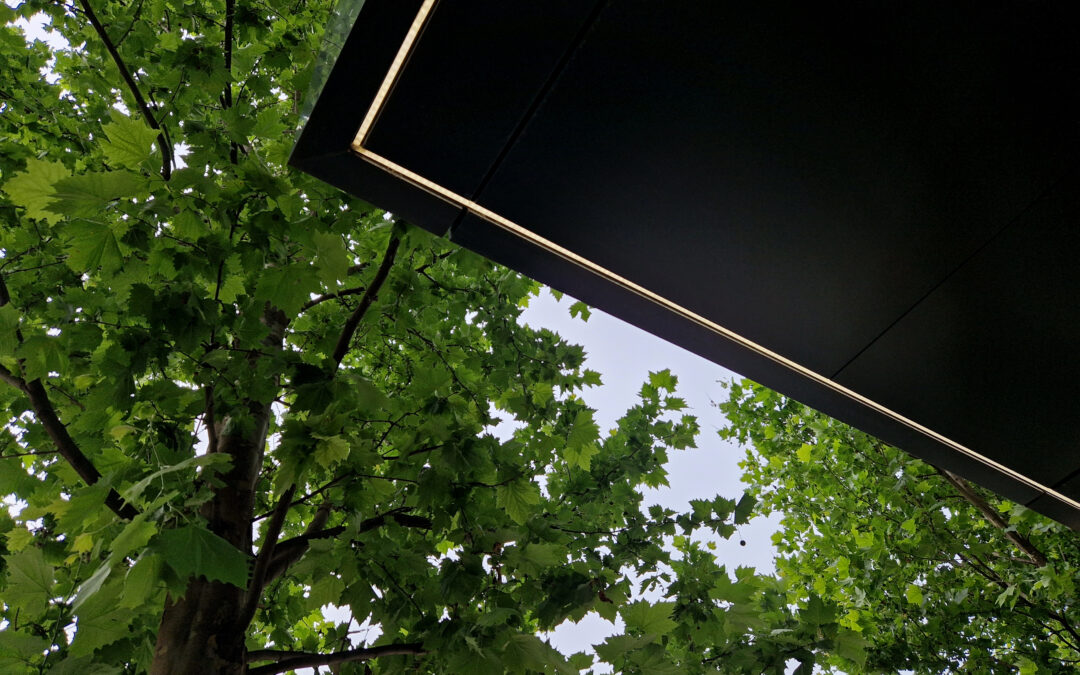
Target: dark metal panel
[812, 176]
[470, 81]
[357, 177]
[505, 248]
[322, 149]
[1063, 513]
[802, 173]
[989, 359]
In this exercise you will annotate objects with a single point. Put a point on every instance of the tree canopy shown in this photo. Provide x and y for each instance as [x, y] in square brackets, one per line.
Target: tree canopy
[237, 397]
[934, 573]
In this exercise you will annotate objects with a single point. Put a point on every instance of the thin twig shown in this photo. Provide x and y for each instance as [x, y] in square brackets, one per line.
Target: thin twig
[266, 554]
[292, 660]
[331, 296]
[367, 300]
[140, 102]
[993, 517]
[29, 454]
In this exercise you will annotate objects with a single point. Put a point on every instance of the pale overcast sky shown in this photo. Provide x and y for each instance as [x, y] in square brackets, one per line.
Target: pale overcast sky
[624, 355]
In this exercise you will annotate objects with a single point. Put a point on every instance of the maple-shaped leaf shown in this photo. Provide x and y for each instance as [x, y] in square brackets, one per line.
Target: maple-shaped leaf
[29, 582]
[583, 432]
[193, 551]
[517, 498]
[130, 141]
[332, 259]
[617, 645]
[93, 245]
[581, 456]
[663, 380]
[101, 621]
[648, 618]
[286, 288]
[87, 195]
[34, 189]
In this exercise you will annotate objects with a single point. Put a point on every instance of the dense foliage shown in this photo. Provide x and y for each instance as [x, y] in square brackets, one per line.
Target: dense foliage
[934, 573]
[238, 397]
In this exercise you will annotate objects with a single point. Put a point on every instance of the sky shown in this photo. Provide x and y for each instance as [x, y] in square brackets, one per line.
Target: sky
[624, 355]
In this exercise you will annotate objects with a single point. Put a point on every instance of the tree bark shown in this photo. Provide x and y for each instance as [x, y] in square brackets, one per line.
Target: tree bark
[203, 632]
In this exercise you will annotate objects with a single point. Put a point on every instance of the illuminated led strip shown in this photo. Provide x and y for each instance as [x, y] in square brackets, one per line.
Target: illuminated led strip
[391, 75]
[637, 289]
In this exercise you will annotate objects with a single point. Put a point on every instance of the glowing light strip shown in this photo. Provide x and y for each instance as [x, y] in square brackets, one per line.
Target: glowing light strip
[624, 283]
[391, 75]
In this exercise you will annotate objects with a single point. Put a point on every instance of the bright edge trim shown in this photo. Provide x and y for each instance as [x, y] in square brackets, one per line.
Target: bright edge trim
[391, 75]
[499, 221]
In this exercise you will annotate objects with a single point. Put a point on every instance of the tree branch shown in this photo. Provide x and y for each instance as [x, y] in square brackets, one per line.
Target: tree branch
[331, 296]
[266, 555]
[292, 660]
[10, 377]
[227, 97]
[69, 449]
[368, 298]
[291, 550]
[140, 102]
[57, 431]
[993, 517]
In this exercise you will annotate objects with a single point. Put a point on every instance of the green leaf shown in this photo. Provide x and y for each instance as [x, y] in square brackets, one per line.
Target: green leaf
[617, 645]
[141, 581]
[817, 612]
[744, 508]
[29, 582]
[286, 288]
[850, 645]
[332, 260]
[663, 380]
[864, 539]
[88, 588]
[544, 555]
[101, 621]
[580, 309]
[331, 450]
[215, 462]
[130, 141]
[805, 452]
[88, 195]
[34, 188]
[913, 594]
[84, 665]
[581, 457]
[326, 591]
[9, 324]
[93, 245]
[268, 125]
[651, 619]
[523, 653]
[583, 432]
[517, 498]
[193, 551]
[134, 536]
[22, 646]
[20, 537]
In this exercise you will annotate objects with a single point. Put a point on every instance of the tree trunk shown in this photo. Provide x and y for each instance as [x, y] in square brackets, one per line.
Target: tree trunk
[203, 633]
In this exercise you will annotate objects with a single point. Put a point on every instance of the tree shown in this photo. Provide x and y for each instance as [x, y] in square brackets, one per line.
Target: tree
[237, 396]
[934, 573]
